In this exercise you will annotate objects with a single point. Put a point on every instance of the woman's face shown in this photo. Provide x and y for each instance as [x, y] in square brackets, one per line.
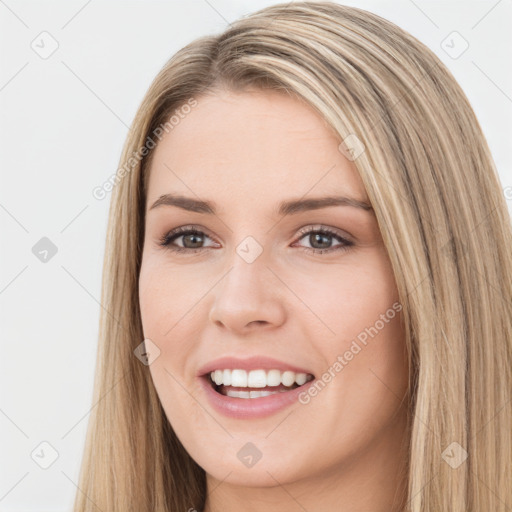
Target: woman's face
[266, 293]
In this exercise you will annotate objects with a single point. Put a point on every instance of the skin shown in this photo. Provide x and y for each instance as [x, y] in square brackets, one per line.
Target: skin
[344, 449]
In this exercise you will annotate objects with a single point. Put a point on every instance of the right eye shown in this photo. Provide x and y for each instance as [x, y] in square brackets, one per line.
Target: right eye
[189, 235]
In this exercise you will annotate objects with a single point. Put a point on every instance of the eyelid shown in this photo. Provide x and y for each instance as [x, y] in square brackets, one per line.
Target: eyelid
[321, 227]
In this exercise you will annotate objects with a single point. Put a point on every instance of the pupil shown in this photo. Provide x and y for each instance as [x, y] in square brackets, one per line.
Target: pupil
[192, 236]
[318, 237]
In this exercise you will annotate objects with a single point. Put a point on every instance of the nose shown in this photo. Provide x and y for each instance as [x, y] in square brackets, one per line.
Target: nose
[247, 297]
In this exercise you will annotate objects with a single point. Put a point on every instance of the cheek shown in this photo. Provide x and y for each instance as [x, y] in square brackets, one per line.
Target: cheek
[173, 317]
[340, 301]
[168, 320]
[357, 315]
[161, 304]
[167, 297]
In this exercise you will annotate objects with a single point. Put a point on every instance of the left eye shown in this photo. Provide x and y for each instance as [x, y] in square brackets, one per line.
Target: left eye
[321, 237]
[191, 237]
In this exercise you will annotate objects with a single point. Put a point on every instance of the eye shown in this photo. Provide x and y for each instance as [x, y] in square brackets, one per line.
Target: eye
[319, 238]
[191, 237]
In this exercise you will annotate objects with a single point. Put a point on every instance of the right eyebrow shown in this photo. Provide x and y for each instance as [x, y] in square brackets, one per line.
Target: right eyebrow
[185, 203]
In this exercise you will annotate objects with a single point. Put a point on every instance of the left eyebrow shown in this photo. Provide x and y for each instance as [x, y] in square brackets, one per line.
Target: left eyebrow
[301, 205]
[289, 207]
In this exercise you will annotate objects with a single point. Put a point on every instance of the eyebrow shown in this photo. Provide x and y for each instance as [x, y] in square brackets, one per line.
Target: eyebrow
[285, 207]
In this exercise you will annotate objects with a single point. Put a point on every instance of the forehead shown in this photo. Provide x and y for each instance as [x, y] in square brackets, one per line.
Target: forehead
[251, 147]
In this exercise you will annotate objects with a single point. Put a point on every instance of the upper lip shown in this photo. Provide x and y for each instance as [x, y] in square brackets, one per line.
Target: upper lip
[250, 363]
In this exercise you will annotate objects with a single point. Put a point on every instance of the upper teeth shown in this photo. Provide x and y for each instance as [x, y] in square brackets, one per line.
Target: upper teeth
[258, 378]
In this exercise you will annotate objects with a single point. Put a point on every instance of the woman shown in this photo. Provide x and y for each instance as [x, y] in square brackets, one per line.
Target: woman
[308, 279]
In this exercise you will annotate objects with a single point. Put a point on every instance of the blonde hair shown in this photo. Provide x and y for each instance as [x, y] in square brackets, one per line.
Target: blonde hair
[431, 180]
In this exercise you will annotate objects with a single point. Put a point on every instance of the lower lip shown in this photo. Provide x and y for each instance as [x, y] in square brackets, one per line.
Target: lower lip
[250, 408]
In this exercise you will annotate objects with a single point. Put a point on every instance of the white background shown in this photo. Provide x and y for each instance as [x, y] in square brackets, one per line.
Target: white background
[63, 122]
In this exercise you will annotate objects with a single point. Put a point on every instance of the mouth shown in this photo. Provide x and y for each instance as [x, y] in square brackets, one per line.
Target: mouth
[254, 384]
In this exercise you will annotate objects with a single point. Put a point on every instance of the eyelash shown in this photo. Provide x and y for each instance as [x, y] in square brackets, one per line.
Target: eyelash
[165, 241]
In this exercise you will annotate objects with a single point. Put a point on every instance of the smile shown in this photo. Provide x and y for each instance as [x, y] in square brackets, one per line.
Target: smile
[237, 383]
[252, 387]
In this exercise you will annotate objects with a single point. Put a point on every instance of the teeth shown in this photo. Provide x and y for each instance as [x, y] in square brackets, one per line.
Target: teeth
[301, 378]
[258, 379]
[274, 378]
[226, 377]
[288, 378]
[251, 394]
[238, 378]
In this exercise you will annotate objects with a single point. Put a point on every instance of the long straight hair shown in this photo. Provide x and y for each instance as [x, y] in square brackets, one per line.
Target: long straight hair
[441, 210]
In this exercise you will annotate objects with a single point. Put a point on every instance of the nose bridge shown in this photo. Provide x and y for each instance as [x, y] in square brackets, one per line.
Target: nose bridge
[245, 295]
[248, 263]
[245, 281]
[246, 273]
